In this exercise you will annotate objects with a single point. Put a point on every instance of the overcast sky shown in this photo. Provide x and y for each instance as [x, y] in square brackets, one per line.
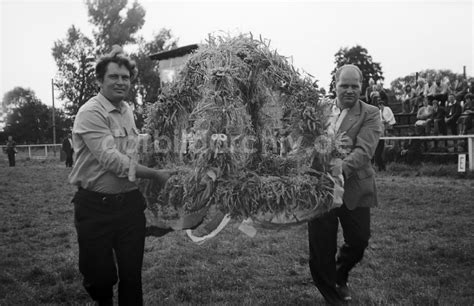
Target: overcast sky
[403, 36]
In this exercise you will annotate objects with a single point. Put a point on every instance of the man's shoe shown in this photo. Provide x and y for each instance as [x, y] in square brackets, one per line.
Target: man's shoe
[343, 292]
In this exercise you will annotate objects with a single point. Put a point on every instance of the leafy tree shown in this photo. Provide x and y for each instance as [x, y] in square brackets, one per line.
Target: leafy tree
[31, 121]
[114, 23]
[359, 56]
[76, 80]
[16, 97]
[148, 75]
[147, 85]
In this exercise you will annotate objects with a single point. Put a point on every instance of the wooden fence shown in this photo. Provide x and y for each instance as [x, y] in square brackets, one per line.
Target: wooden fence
[469, 138]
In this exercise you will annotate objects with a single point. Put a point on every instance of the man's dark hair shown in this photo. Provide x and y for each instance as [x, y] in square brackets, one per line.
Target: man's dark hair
[116, 56]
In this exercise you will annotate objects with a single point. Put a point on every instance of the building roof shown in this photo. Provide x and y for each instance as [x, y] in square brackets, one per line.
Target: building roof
[174, 53]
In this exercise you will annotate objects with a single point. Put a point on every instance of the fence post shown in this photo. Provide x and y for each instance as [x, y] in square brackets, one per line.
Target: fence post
[29, 152]
[470, 148]
[45, 151]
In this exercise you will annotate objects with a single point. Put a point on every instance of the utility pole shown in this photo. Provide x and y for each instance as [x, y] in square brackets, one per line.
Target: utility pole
[54, 118]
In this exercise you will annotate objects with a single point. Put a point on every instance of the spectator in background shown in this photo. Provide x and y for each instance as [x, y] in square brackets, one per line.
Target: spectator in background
[465, 120]
[382, 93]
[370, 89]
[419, 94]
[460, 88]
[453, 114]
[374, 98]
[424, 118]
[11, 151]
[441, 90]
[439, 113]
[470, 86]
[408, 100]
[430, 90]
[68, 149]
[388, 120]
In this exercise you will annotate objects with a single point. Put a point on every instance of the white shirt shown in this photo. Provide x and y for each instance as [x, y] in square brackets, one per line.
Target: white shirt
[336, 119]
[387, 116]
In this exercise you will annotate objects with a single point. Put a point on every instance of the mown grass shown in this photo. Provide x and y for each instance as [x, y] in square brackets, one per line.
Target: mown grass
[421, 251]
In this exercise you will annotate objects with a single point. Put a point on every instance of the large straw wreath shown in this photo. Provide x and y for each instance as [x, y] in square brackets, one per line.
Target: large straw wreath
[237, 102]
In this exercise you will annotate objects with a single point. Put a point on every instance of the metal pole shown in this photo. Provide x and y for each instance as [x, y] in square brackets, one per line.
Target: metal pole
[470, 148]
[54, 118]
[464, 72]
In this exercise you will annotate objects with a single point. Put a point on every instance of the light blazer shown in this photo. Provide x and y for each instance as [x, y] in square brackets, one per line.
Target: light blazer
[363, 126]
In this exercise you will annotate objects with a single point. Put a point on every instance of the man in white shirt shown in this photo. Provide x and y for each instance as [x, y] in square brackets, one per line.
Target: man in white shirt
[388, 120]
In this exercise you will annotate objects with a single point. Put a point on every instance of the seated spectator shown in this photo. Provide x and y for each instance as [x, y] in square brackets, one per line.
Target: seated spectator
[439, 113]
[424, 118]
[441, 89]
[470, 86]
[388, 120]
[465, 120]
[453, 114]
[408, 100]
[459, 88]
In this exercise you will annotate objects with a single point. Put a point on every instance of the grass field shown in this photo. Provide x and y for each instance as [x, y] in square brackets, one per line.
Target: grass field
[421, 251]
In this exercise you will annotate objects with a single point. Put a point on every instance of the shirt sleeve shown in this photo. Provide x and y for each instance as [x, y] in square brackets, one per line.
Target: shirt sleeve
[92, 127]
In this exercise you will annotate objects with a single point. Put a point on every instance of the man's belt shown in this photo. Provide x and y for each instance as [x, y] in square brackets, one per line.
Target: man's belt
[107, 197]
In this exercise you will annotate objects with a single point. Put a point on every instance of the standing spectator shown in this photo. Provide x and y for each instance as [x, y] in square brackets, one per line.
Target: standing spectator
[465, 120]
[374, 98]
[108, 207]
[382, 93]
[388, 120]
[408, 100]
[453, 113]
[11, 151]
[370, 89]
[419, 94]
[424, 118]
[441, 90]
[430, 91]
[460, 88]
[439, 113]
[68, 149]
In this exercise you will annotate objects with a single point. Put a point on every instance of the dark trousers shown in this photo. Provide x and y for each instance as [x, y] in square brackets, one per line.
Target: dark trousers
[11, 159]
[440, 127]
[68, 159]
[378, 156]
[328, 270]
[453, 126]
[111, 235]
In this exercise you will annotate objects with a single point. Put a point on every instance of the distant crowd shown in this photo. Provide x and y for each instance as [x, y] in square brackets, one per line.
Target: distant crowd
[440, 106]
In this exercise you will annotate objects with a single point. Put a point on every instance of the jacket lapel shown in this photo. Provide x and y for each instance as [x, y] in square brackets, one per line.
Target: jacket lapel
[351, 118]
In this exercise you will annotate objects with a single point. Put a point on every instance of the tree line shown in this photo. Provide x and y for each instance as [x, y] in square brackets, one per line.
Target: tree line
[114, 22]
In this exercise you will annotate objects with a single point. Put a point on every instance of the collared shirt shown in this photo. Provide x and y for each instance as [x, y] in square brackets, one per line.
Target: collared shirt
[104, 138]
[337, 116]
